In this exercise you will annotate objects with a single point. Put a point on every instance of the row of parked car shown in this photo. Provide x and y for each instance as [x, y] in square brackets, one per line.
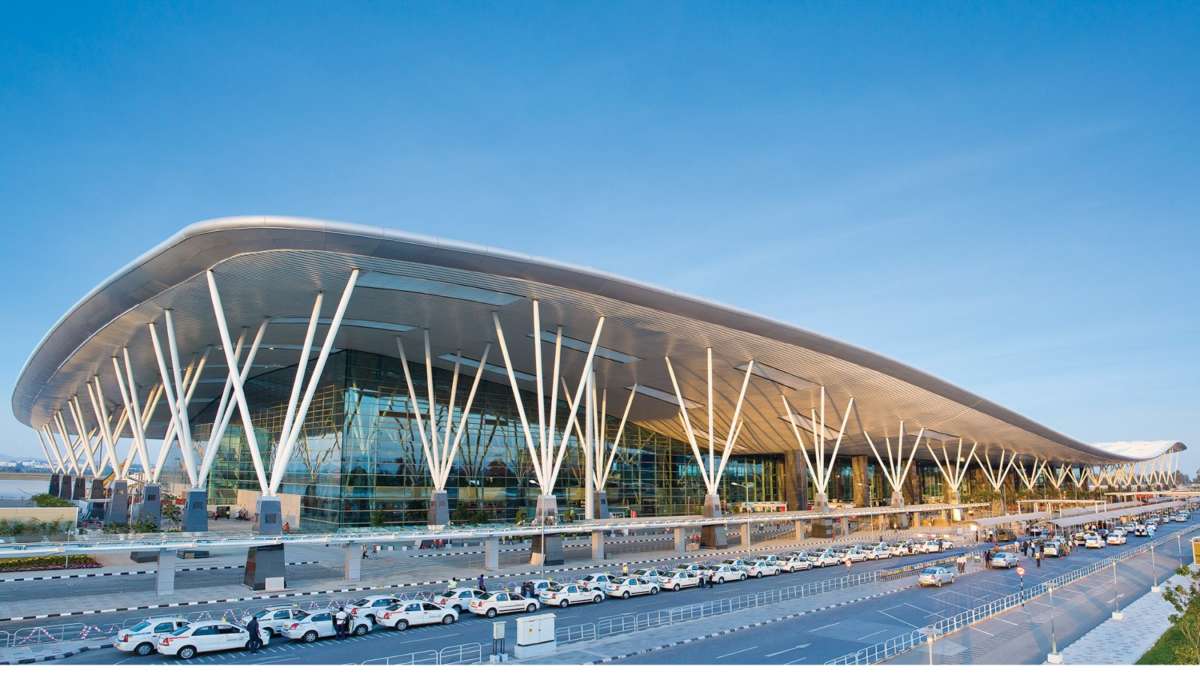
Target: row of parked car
[174, 635]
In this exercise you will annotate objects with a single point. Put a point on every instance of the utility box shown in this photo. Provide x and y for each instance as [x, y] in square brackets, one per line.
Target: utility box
[535, 636]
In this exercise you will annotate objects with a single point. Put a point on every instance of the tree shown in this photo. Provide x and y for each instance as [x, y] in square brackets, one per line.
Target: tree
[1185, 598]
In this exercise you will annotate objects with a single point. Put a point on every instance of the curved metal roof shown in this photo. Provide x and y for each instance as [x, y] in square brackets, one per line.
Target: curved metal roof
[272, 266]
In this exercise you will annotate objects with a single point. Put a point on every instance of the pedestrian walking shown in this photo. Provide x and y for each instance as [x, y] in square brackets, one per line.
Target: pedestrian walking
[1037, 556]
[453, 585]
[343, 623]
[255, 639]
[482, 587]
[624, 569]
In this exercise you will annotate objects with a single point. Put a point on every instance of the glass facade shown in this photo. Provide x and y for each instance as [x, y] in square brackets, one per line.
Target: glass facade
[359, 459]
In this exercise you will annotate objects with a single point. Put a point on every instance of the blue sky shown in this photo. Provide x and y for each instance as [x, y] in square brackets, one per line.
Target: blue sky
[1003, 194]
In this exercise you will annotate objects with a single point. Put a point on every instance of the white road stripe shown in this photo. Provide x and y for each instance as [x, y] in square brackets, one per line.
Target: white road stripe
[737, 652]
[789, 649]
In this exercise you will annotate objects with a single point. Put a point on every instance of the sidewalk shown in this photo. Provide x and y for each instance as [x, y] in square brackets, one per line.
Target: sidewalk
[1123, 642]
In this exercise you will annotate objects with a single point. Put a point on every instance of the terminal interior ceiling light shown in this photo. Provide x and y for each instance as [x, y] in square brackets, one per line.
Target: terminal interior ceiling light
[395, 282]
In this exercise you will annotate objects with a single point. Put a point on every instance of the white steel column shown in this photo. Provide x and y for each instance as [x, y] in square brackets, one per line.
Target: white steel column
[440, 454]
[895, 470]
[824, 468]
[1029, 478]
[175, 390]
[995, 476]
[953, 473]
[129, 396]
[594, 440]
[96, 396]
[225, 407]
[289, 443]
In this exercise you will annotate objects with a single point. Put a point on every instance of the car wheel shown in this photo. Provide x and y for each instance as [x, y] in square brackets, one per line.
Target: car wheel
[187, 652]
[625, 595]
[720, 580]
[597, 599]
[310, 636]
[270, 632]
[144, 649]
[530, 608]
[564, 604]
[491, 613]
[448, 619]
[743, 576]
[361, 629]
[654, 590]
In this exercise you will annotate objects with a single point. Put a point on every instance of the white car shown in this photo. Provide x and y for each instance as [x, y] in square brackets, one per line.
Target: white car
[459, 598]
[699, 569]
[936, 576]
[1093, 541]
[761, 568]
[1180, 518]
[564, 595]
[368, 607]
[1141, 531]
[275, 619]
[597, 580]
[828, 558]
[723, 573]
[773, 559]
[649, 574]
[416, 613]
[855, 554]
[207, 636]
[737, 563]
[1053, 547]
[796, 563]
[1115, 538]
[143, 637]
[929, 546]
[320, 625]
[623, 587]
[899, 548]
[539, 585]
[1151, 529]
[680, 579]
[879, 551]
[1005, 560]
[502, 602]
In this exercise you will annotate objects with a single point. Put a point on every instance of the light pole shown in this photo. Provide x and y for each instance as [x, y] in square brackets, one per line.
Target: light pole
[1116, 613]
[1155, 588]
[1054, 656]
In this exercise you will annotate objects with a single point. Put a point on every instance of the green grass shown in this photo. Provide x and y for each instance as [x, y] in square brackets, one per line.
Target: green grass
[1165, 650]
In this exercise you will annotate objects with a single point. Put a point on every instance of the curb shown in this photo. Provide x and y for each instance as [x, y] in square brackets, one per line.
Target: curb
[131, 573]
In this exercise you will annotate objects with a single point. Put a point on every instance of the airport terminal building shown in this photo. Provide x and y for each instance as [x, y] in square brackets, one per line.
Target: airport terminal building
[368, 377]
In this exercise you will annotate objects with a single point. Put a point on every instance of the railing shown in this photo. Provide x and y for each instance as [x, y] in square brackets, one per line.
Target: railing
[463, 654]
[900, 644]
[632, 623]
[78, 631]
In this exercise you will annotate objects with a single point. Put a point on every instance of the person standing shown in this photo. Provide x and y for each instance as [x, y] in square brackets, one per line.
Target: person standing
[343, 623]
[453, 585]
[624, 569]
[482, 587]
[255, 638]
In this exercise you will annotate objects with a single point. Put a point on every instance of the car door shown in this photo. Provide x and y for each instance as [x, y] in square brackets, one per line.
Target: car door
[206, 639]
[322, 622]
[231, 637]
[431, 612]
[414, 613]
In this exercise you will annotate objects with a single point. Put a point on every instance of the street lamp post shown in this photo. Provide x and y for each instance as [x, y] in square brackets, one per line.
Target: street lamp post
[1054, 656]
[1117, 615]
[1156, 588]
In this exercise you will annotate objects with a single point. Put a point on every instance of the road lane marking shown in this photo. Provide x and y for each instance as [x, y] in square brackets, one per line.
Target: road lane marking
[982, 631]
[789, 649]
[828, 625]
[881, 630]
[737, 652]
[796, 661]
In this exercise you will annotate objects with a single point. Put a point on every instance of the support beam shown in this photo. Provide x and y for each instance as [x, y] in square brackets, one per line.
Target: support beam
[820, 468]
[352, 557]
[164, 580]
[491, 553]
[598, 545]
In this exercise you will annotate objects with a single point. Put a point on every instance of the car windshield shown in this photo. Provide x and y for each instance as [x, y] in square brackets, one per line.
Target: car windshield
[487, 596]
[262, 612]
[139, 626]
[181, 631]
[554, 586]
[360, 603]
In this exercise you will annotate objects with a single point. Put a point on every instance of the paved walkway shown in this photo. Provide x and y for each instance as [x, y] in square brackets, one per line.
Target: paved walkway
[1124, 642]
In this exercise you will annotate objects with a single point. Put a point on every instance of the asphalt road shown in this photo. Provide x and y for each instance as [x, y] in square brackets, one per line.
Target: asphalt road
[470, 629]
[817, 638]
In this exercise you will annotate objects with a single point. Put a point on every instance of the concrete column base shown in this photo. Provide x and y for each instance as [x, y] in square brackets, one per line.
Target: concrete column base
[547, 550]
[1118, 616]
[491, 553]
[1156, 589]
[843, 527]
[97, 489]
[164, 581]
[117, 511]
[439, 509]
[263, 563]
[745, 535]
[80, 490]
[195, 511]
[821, 502]
[352, 555]
[150, 508]
[598, 545]
[681, 539]
[270, 516]
[713, 536]
[66, 488]
[801, 530]
[600, 503]
[55, 487]
[1054, 658]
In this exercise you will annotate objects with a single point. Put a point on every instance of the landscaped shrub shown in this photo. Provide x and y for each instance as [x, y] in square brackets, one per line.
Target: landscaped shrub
[48, 562]
[46, 501]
